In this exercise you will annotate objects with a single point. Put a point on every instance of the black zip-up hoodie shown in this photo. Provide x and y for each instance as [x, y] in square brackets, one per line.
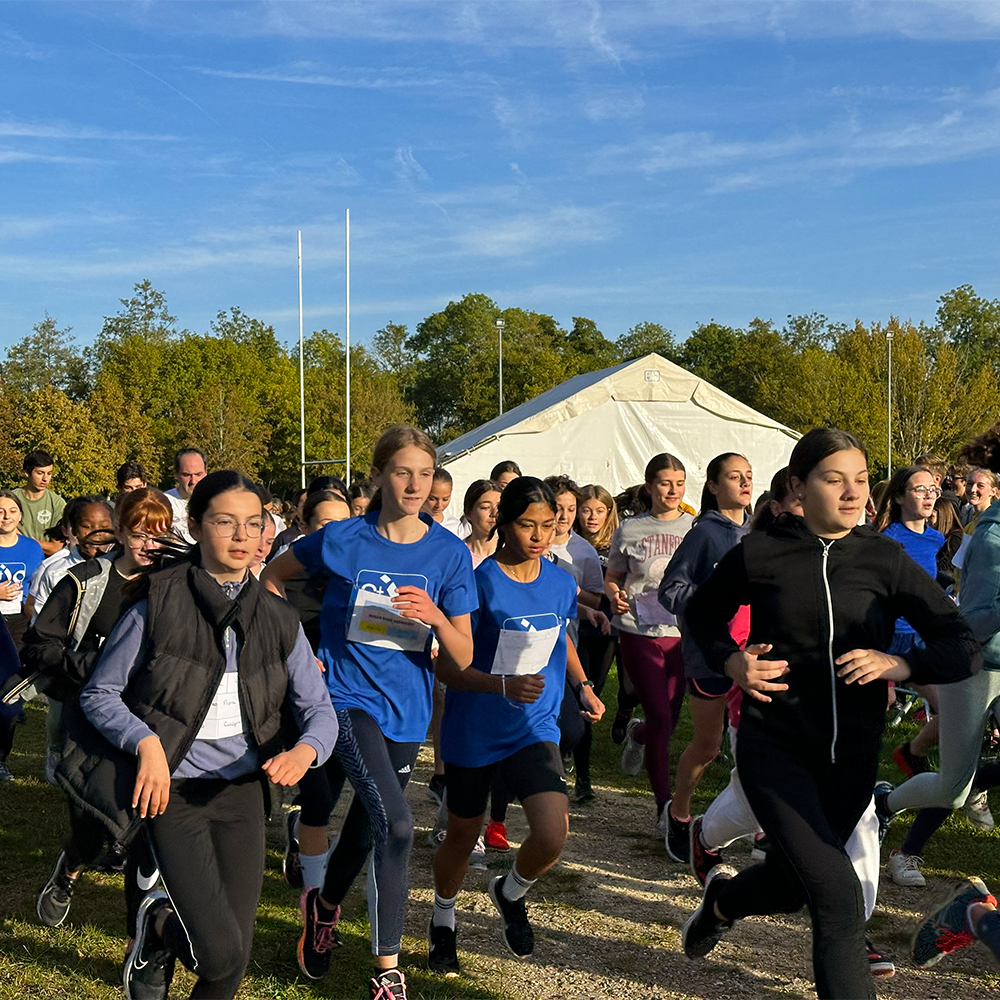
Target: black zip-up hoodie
[815, 599]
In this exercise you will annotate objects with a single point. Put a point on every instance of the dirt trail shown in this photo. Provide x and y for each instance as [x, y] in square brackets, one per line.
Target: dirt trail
[607, 922]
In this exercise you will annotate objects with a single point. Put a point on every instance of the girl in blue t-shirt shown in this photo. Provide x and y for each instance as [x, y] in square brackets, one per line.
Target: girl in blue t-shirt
[503, 714]
[903, 514]
[394, 577]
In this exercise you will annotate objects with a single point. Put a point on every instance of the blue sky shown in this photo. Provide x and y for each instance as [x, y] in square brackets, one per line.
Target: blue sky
[672, 162]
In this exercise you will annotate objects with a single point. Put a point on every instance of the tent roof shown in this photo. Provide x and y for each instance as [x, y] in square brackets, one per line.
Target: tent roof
[646, 379]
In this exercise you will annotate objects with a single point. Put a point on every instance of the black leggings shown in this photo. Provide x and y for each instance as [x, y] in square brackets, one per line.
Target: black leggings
[209, 847]
[390, 765]
[597, 653]
[808, 808]
[319, 791]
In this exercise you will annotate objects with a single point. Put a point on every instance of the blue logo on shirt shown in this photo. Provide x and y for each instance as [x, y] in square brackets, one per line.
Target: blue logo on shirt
[13, 572]
[530, 623]
[387, 583]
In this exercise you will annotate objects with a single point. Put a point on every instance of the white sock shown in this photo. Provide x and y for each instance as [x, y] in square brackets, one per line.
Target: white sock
[313, 869]
[444, 912]
[515, 885]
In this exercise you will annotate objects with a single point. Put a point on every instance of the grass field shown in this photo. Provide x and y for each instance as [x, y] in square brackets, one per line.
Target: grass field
[83, 959]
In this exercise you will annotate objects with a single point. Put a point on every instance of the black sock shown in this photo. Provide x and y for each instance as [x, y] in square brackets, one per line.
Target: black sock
[324, 912]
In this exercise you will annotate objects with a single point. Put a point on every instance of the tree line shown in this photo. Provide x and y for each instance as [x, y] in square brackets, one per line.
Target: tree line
[145, 388]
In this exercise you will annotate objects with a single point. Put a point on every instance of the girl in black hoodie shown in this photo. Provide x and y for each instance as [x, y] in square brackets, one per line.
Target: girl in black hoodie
[824, 595]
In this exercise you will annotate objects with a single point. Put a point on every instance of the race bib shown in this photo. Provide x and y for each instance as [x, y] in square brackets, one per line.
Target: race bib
[375, 621]
[525, 645]
[13, 572]
[224, 717]
[649, 611]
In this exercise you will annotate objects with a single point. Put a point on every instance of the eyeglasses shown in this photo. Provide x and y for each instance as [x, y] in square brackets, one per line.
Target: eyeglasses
[139, 539]
[925, 491]
[225, 527]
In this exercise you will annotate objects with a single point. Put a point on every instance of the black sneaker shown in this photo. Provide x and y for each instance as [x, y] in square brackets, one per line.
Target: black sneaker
[517, 933]
[880, 962]
[442, 954]
[703, 930]
[318, 937]
[436, 789]
[882, 812]
[618, 727]
[5, 774]
[291, 867]
[702, 859]
[569, 763]
[149, 965]
[584, 793]
[57, 894]
[387, 985]
[677, 840]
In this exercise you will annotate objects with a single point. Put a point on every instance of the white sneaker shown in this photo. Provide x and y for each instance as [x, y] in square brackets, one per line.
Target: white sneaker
[904, 869]
[477, 859]
[977, 810]
[634, 753]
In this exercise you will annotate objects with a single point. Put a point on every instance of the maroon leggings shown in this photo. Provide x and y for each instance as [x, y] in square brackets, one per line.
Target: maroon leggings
[656, 670]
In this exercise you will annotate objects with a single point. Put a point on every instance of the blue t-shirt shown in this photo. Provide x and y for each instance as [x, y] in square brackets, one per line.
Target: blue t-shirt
[17, 564]
[480, 728]
[922, 549]
[394, 687]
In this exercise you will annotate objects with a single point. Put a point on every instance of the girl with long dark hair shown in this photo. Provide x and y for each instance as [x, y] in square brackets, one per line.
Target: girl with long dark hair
[723, 520]
[502, 714]
[824, 596]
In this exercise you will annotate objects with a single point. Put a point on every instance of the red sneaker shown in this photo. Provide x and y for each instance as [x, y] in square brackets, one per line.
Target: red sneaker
[496, 837]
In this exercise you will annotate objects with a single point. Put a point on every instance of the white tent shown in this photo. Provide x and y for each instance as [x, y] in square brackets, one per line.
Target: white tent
[603, 427]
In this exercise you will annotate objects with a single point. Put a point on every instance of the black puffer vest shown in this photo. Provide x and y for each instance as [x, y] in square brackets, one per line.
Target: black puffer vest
[172, 690]
[185, 658]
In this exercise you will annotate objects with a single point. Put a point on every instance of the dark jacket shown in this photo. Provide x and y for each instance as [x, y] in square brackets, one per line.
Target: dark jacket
[815, 599]
[172, 690]
[59, 644]
[711, 536]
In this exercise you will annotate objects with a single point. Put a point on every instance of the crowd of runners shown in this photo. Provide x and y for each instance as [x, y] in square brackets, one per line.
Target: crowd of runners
[197, 645]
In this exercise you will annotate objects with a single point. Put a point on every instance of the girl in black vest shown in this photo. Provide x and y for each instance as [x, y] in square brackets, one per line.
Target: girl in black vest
[63, 646]
[194, 680]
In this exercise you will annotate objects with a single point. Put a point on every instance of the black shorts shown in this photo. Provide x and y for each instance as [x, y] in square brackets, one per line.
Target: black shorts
[708, 688]
[528, 771]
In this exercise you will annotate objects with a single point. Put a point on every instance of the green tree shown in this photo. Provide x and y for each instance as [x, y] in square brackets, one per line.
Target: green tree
[972, 324]
[46, 356]
[586, 349]
[646, 338]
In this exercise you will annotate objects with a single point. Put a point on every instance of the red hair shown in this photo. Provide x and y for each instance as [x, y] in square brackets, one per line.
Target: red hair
[147, 509]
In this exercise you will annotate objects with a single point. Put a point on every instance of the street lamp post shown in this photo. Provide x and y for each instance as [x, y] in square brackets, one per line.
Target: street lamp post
[500, 325]
[888, 337]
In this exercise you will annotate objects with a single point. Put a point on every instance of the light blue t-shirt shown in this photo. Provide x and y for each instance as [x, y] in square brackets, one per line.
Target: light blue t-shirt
[18, 563]
[922, 549]
[480, 728]
[394, 687]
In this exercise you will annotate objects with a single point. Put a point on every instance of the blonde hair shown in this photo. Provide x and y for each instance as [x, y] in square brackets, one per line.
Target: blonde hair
[602, 540]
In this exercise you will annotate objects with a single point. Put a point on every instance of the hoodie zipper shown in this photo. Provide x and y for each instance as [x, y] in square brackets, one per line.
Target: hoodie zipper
[829, 647]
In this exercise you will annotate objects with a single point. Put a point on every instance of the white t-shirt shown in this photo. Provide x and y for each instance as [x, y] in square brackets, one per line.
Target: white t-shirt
[49, 573]
[452, 523]
[641, 549]
[180, 509]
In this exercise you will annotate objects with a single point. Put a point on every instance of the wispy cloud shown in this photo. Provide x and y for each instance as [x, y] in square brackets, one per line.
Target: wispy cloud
[843, 147]
[408, 168]
[26, 226]
[13, 44]
[35, 130]
[22, 156]
[612, 103]
[358, 79]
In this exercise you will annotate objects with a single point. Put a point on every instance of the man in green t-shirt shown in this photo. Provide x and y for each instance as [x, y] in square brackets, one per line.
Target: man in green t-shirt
[41, 508]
